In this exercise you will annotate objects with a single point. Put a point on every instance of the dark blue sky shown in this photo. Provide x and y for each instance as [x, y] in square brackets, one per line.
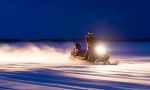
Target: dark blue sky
[39, 19]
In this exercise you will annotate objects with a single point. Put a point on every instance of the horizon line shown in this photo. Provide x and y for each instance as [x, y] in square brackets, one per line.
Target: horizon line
[74, 40]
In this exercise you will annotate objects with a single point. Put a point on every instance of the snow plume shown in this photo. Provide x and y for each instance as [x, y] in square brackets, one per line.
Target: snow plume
[47, 53]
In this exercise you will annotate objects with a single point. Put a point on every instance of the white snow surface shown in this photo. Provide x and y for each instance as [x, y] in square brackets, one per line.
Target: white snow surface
[27, 66]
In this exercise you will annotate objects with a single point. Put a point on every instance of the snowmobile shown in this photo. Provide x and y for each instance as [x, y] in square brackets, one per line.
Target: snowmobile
[97, 55]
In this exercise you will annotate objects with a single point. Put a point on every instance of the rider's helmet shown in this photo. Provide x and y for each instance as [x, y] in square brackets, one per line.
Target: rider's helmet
[90, 33]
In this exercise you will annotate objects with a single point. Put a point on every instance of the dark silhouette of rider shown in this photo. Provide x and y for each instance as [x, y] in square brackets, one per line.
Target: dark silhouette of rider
[90, 42]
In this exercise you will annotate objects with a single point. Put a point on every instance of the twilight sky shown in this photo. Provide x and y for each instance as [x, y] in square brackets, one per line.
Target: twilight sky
[47, 19]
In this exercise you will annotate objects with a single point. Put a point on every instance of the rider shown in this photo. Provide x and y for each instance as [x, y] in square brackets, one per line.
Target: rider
[90, 42]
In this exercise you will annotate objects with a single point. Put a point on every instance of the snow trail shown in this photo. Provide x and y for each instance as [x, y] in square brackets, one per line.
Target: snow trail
[27, 66]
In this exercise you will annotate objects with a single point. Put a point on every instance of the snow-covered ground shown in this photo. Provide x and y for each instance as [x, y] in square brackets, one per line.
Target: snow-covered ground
[26, 66]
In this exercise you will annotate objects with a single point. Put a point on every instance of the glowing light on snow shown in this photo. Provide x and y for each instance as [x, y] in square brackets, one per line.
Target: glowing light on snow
[31, 53]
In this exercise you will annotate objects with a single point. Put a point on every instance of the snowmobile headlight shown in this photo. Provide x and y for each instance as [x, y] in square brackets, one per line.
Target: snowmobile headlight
[100, 49]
